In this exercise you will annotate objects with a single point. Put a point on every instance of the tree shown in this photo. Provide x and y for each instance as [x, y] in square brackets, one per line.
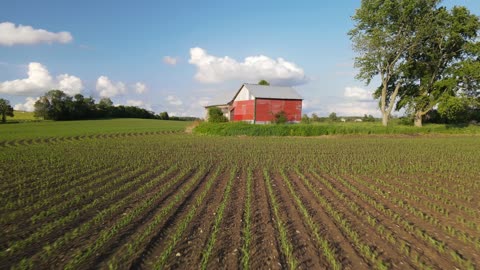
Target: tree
[5, 109]
[305, 119]
[442, 64]
[215, 115]
[54, 105]
[384, 32]
[263, 82]
[280, 118]
[164, 116]
[368, 118]
[315, 117]
[333, 117]
[83, 108]
[104, 107]
[455, 109]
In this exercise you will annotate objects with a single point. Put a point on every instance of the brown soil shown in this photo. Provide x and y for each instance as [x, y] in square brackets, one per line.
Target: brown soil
[265, 249]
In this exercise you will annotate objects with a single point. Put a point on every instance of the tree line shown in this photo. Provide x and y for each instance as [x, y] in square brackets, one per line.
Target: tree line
[426, 56]
[59, 106]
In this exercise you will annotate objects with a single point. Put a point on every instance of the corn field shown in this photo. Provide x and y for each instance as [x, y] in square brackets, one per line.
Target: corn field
[162, 200]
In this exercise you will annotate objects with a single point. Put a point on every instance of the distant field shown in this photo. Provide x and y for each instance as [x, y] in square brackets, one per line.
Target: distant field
[22, 116]
[31, 130]
[140, 194]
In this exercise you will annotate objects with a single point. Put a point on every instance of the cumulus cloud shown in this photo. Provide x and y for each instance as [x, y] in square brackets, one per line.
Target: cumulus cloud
[173, 100]
[354, 108]
[107, 88]
[213, 69]
[138, 103]
[39, 81]
[170, 60]
[28, 106]
[356, 102]
[358, 93]
[10, 35]
[69, 84]
[140, 88]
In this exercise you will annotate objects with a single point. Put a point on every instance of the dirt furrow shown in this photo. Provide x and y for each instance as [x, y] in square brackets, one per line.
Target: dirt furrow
[126, 235]
[265, 250]
[425, 203]
[308, 256]
[427, 250]
[85, 217]
[348, 256]
[227, 250]
[389, 230]
[159, 241]
[188, 252]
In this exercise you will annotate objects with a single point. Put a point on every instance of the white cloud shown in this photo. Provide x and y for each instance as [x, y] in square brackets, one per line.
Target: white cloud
[173, 100]
[69, 84]
[358, 93]
[356, 102]
[140, 88]
[107, 88]
[170, 60]
[39, 81]
[138, 103]
[10, 35]
[354, 108]
[28, 106]
[212, 69]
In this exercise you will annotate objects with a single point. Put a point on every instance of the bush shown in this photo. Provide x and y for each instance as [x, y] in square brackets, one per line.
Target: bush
[281, 118]
[215, 115]
[305, 119]
[316, 129]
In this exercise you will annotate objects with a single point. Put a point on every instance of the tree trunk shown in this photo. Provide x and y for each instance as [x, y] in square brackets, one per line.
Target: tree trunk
[4, 118]
[418, 119]
[385, 118]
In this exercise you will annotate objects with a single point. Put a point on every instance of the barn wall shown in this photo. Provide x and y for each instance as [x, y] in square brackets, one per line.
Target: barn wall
[243, 110]
[267, 108]
[244, 94]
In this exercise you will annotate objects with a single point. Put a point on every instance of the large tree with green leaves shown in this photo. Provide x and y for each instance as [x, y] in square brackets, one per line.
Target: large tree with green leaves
[385, 32]
[443, 64]
[54, 105]
[5, 109]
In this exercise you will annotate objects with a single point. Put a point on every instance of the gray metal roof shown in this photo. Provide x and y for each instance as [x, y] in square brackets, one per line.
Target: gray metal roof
[277, 92]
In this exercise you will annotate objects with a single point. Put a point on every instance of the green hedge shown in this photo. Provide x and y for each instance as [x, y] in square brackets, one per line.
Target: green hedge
[240, 128]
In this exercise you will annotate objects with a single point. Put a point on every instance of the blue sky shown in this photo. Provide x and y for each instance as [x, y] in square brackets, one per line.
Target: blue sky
[176, 56]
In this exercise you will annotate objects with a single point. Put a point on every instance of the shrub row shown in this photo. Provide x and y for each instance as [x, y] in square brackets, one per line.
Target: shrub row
[241, 128]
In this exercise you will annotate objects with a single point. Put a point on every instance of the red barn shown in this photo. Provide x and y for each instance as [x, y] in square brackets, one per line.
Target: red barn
[255, 103]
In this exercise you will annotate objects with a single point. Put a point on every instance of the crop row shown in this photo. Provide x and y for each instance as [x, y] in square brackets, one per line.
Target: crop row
[52, 140]
[410, 227]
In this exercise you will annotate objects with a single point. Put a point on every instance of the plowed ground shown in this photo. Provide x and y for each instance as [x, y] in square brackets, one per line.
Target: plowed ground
[187, 215]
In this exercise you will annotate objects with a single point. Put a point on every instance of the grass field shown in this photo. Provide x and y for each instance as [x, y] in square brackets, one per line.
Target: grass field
[22, 116]
[161, 199]
[46, 129]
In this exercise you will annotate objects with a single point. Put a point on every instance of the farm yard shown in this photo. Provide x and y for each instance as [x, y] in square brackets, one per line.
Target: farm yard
[160, 198]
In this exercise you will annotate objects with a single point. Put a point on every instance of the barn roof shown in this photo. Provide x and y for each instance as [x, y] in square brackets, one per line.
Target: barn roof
[276, 92]
[263, 91]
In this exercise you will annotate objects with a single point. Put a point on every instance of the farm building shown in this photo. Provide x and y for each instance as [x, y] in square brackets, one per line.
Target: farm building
[255, 103]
